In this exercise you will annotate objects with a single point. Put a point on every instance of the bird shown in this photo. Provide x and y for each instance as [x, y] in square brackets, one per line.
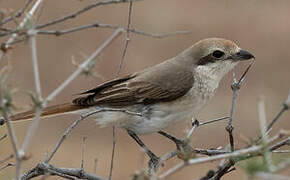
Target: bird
[158, 96]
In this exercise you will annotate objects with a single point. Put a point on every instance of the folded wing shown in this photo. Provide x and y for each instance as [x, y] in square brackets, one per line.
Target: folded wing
[142, 88]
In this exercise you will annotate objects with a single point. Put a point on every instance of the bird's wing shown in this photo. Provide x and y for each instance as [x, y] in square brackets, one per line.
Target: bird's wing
[140, 88]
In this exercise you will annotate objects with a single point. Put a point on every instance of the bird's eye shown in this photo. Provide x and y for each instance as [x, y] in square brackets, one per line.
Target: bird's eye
[218, 54]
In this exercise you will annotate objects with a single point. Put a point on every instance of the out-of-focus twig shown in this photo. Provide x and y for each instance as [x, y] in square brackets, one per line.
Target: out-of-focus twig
[266, 152]
[285, 106]
[13, 140]
[38, 99]
[110, 26]
[83, 152]
[6, 166]
[83, 65]
[16, 14]
[21, 26]
[85, 9]
[3, 137]
[270, 176]
[6, 159]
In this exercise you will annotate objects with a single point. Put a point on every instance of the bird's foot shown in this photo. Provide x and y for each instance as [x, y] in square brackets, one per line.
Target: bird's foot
[184, 150]
[154, 163]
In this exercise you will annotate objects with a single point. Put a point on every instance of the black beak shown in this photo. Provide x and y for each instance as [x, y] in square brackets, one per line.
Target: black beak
[243, 55]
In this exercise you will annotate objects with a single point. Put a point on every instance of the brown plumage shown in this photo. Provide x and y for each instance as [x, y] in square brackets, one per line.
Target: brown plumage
[48, 111]
[136, 89]
[128, 90]
[162, 85]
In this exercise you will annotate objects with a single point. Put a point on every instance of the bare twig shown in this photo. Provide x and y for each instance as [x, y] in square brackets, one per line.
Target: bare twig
[270, 176]
[16, 14]
[83, 152]
[13, 140]
[222, 170]
[77, 13]
[127, 39]
[69, 173]
[21, 25]
[210, 152]
[113, 152]
[118, 74]
[225, 155]
[83, 65]
[280, 144]
[262, 117]
[285, 106]
[38, 101]
[212, 158]
[3, 137]
[214, 120]
[5, 166]
[281, 151]
[95, 165]
[172, 170]
[6, 159]
[235, 87]
[110, 26]
[32, 34]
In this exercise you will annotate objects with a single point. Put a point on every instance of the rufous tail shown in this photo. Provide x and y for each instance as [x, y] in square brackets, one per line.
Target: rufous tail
[48, 111]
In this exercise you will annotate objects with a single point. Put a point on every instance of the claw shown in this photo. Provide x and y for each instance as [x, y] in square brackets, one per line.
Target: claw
[154, 163]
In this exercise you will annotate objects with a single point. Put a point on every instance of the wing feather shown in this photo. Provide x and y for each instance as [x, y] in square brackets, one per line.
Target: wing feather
[139, 88]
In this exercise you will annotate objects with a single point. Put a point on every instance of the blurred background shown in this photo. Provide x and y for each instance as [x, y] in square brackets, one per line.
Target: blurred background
[261, 27]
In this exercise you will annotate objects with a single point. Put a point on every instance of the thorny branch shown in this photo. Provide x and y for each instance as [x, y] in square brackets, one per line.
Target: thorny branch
[68, 173]
[235, 87]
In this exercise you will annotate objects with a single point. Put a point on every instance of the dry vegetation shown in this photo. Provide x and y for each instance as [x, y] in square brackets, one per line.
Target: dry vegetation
[263, 154]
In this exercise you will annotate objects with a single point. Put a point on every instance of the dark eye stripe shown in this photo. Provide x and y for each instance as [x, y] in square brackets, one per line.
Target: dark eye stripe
[206, 59]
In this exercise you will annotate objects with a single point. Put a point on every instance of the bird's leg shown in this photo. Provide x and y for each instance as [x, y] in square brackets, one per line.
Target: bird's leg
[177, 141]
[183, 149]
[154, 160]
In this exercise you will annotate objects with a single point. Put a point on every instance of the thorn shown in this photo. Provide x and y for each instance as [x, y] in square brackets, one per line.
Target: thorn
[195, 123]
[229, 128]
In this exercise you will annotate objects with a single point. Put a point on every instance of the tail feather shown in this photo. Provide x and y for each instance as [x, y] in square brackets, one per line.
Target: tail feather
[48, 111]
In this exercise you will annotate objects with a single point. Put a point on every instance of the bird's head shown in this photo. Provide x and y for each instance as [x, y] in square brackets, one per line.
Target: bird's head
[215, 57]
